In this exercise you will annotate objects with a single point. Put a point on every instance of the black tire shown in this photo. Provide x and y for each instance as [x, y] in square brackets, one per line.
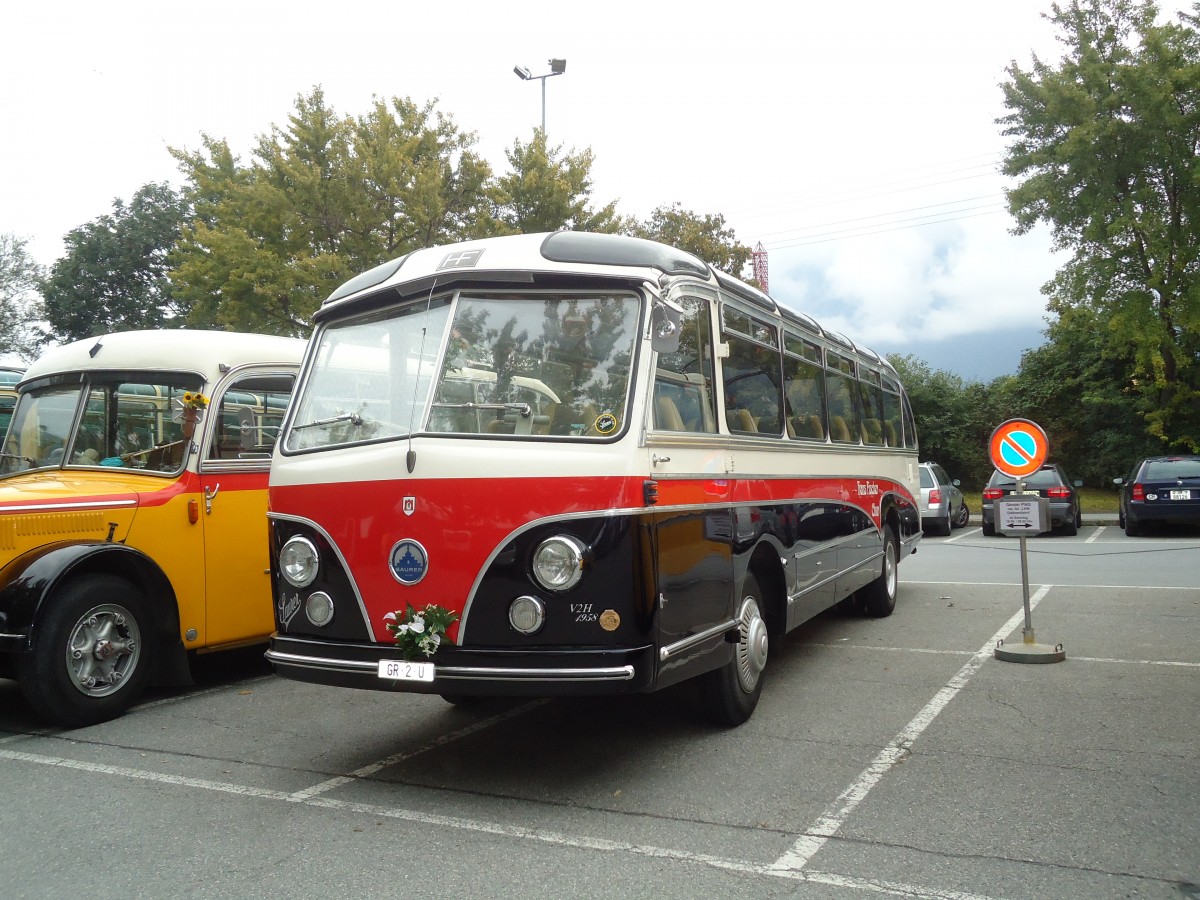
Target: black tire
[730, 694]
[942, 526]
[91, 656]
[878, 599]
[1070, 528]
[963, 517]
[1132, 526]
[989, 530]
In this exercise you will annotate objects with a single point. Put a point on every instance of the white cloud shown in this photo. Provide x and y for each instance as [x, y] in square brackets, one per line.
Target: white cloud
[783, 118]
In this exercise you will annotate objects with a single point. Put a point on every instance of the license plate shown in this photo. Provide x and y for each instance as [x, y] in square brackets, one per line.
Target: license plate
[1181, 495]
[403, 670]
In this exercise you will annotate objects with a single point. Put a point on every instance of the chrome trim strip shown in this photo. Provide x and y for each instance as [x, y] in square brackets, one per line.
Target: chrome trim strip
[6, 635]
[464, 673]
[670, 650]
[83, 504]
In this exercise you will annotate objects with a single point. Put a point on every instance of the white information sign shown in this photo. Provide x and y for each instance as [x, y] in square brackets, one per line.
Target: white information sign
[1022, 514]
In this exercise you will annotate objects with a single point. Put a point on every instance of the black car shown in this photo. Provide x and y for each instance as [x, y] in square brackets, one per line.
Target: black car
[1049, 481]
[1160, 489]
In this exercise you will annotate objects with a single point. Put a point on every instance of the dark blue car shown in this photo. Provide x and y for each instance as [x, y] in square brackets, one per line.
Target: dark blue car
[1160, 490]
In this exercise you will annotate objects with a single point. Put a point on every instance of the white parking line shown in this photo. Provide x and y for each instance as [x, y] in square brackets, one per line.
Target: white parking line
[835, 816]
[372, 768]
[897, 889]
[1095, 535]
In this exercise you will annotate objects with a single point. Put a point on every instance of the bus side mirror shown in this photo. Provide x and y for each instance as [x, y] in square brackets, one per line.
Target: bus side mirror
[665, 326]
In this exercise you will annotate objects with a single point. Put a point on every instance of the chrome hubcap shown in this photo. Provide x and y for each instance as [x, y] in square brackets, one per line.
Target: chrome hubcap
[752, 644]
[103, 649]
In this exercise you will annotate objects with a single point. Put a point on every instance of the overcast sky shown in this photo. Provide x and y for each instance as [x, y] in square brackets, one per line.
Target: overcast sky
[856, 142]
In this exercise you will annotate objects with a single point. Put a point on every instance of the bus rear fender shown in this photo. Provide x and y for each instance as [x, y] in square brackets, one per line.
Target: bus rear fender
[767, 568]
[29, 583]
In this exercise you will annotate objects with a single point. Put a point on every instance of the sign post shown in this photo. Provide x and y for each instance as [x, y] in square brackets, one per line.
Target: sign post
[1018, 448]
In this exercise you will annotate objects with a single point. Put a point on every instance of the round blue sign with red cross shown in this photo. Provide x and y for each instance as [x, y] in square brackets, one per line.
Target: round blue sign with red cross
[1018, 447]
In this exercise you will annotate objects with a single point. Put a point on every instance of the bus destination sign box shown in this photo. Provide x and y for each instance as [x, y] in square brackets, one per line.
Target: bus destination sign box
[1022, 514]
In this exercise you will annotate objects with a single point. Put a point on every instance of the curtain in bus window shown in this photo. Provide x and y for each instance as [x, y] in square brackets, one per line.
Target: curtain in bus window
[683, 395]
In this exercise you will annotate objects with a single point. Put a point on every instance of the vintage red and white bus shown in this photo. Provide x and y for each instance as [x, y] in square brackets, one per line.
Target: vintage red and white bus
[609, 466]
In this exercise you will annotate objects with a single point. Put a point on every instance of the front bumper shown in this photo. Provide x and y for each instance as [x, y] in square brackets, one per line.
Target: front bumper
[468, 672]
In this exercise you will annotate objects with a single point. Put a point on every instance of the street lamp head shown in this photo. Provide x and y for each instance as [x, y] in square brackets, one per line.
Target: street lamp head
[521, 73]
[558, 66]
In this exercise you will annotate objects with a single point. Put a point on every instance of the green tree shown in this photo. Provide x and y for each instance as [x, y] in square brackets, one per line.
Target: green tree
[20, 306]
[324, 199]
[114, 273]
[547, 190]
[954, 417]
[1076, 387]
[1105, 147]
[703, 236]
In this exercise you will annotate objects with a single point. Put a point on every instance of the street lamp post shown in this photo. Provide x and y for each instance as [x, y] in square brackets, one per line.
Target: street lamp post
[557, 67]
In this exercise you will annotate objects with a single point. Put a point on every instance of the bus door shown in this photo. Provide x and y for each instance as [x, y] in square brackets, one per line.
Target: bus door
[235, 464]
[693, 558]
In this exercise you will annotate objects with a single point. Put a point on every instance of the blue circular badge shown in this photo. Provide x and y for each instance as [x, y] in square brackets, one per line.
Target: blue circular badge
[408, 561]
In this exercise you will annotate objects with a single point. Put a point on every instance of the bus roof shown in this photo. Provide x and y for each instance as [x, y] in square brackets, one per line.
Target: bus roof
[523, 258]
[207, 352]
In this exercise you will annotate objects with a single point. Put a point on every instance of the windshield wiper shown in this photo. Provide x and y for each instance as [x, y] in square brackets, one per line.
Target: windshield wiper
[353, 418]
[524, 409]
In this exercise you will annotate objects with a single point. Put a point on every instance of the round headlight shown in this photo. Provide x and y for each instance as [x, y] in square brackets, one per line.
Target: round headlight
[319, 608]
[558, 562]
[298, 561]
[526, 614]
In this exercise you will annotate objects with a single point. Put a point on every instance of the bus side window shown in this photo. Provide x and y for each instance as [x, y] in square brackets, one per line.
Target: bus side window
[683, 398]
[248, 417]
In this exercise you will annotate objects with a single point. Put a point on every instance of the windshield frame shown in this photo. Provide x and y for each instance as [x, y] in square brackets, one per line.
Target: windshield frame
[94, 401]
[449, 360]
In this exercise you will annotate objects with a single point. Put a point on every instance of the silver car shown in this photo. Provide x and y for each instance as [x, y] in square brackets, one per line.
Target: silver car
[943, 505]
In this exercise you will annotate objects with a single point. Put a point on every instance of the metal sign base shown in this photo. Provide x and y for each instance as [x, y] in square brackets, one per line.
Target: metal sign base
[1029, 650]
[1030, 653]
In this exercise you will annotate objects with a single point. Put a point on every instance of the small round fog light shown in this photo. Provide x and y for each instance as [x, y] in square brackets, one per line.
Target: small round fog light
[319, 608]
[298, 561]
[526, 614]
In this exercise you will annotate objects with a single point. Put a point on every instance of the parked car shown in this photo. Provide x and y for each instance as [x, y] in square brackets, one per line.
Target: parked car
[1160, 489]
[1049, 481]
[943, 505]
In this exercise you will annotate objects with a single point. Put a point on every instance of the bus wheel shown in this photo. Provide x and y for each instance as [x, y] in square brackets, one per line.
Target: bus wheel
[878, 598]
[91, 657]
[730, 693]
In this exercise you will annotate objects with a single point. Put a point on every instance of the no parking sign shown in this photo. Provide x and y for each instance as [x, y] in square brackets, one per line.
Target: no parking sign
[1018, 447]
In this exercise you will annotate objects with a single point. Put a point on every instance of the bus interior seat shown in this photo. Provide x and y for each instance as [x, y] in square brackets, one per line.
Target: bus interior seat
[890, 431]
[741, 420]
[809, 426]
[667, 417]
[839, 430]
[872, 431]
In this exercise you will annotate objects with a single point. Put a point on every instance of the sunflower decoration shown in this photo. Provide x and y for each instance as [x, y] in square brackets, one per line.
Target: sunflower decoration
[194, 400]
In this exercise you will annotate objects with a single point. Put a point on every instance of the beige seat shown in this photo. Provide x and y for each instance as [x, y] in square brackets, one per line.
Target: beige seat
[741, 420]
[839, 430]
[667, 417]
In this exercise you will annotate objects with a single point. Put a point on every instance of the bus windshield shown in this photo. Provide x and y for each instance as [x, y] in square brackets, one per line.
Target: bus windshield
[123, 423]
[497, 364]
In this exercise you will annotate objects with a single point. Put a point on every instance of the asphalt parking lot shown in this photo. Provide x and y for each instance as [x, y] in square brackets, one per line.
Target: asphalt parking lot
[892, 757]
